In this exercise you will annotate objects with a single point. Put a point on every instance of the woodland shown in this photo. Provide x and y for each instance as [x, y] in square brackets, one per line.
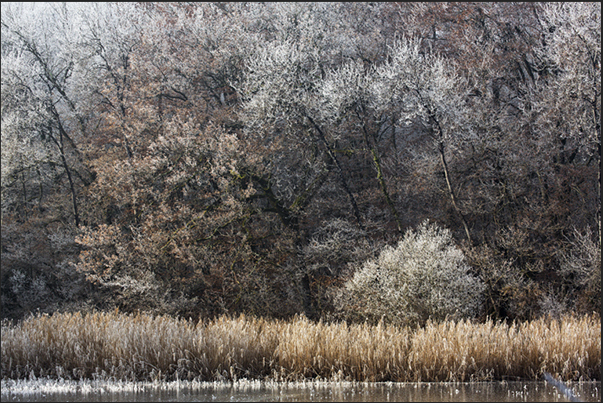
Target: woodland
[360, 162]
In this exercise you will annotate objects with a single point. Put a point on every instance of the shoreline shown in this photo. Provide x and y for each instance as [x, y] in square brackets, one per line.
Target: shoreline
[316, 390]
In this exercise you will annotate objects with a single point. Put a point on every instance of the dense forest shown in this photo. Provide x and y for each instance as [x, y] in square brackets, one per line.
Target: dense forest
[344, 161]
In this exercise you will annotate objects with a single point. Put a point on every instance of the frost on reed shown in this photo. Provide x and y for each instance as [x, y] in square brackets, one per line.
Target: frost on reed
[146, 348]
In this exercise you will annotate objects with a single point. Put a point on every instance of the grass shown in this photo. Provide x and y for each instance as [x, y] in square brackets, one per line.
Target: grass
[142, 347]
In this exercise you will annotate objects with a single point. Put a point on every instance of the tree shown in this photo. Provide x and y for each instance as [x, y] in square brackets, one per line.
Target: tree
[426, 88]
[312, 161]
[42, 74]
[571, 103]
[280, 93]
[110, 36]
[347, 103]
[581, 266]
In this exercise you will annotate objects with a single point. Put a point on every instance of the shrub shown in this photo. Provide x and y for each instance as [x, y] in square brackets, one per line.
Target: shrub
[333, 246]
[581, 268]
[425, 276]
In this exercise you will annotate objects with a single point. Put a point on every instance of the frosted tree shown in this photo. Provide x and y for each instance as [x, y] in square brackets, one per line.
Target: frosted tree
[581, 265]
[301, 48]
[110, 37]
[305, 161]
[571, 100]
[40, 72]
[347, 96]
[27, 163]
[424, 87]
[281, 96]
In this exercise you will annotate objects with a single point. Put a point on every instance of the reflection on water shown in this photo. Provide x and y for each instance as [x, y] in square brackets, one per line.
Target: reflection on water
[317, 391]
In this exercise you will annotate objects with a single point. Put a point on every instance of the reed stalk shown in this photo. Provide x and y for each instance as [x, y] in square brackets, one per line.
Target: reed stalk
[141, 347]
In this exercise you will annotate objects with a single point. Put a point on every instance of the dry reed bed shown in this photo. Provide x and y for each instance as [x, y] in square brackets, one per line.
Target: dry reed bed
[142, 347]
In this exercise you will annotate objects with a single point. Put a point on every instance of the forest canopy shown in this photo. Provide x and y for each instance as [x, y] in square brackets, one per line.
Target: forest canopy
[274, 159]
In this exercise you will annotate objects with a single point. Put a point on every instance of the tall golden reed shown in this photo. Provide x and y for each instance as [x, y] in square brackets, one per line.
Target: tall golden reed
[144, 347]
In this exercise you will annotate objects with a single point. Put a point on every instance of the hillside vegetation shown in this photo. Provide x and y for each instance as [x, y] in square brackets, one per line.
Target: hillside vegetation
[431, 165]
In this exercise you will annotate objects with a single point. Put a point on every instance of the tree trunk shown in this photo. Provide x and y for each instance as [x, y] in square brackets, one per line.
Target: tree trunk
[61, 148]
[441, 151]
[344, 183]
[451, 191]
[381, 179]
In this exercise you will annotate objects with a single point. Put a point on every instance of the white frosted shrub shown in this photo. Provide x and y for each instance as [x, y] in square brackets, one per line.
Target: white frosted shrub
[424, 276]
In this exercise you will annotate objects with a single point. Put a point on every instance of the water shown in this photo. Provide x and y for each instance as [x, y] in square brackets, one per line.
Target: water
[317, 391]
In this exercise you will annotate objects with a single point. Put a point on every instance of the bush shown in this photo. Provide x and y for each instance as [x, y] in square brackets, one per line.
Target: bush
[424, 277]
[581, 268]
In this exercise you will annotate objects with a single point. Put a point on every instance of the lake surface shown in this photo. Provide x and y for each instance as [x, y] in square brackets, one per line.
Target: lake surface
[316, 391]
